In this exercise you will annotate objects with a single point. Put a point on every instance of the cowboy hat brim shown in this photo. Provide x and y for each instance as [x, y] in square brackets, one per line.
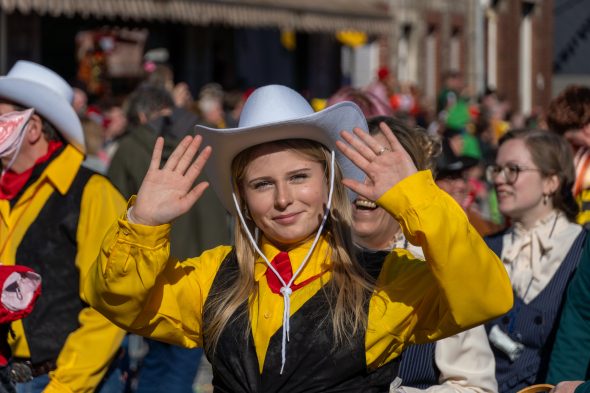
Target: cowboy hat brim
[48, 104]
[323, 127]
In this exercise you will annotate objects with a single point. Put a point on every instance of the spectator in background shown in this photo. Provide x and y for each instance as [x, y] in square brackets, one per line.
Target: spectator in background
[209, 106]
[80, 102]
[533, 176]
[452, 176]
[383, 87]
[460, 363]
[94, 139]
[370, 104]
[569, 115]
[463, 362]
[451, 92]
[150, 114]
[233, 104]
[109, 114]
[59, 212]
[159, 74]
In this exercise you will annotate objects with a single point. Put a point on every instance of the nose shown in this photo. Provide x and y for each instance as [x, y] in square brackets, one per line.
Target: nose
[500, 178]
[283, 196]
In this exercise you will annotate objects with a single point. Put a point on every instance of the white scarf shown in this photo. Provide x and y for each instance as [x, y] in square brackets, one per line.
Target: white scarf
[533, 256]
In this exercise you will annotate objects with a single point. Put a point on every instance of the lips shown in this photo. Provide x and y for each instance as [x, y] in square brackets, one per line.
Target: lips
[503, 193]
[286, 219]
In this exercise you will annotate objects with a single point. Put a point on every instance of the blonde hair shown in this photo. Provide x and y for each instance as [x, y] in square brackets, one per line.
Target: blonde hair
[350, 286]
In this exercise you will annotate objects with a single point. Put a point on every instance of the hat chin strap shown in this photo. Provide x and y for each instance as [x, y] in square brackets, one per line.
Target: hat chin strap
[286, 290]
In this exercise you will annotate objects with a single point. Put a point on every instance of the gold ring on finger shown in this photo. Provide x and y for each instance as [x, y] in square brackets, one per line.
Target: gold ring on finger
[382, 150]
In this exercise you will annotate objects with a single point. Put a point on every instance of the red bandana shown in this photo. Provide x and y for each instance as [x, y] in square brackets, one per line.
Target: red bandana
[11, 182]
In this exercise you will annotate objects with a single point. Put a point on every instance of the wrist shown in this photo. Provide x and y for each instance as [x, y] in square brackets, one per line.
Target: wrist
[133, 219]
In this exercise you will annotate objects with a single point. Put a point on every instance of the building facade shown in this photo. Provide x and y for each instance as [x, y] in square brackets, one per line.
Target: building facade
[505, 45]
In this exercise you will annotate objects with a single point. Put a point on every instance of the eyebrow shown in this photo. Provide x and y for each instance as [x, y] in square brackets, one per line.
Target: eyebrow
[515, 163]
[289, 173]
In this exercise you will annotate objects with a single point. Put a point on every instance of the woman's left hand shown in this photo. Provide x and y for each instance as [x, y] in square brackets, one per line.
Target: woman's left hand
[566, 387]
[385, 166]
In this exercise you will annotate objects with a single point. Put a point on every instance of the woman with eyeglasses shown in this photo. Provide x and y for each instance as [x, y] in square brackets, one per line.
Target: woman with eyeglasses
[533, 177]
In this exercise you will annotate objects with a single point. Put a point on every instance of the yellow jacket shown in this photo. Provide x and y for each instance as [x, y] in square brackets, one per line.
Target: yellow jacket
[87, 351]
[462, 284]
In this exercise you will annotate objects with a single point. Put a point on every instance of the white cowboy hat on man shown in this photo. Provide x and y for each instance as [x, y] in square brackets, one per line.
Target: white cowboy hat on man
[34, 86]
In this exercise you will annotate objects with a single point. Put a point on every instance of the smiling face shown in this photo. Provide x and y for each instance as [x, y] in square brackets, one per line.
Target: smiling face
[522, 200]
[285, 192]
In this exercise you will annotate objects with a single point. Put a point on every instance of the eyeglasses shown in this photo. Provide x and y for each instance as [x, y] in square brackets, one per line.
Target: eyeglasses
[510, 172]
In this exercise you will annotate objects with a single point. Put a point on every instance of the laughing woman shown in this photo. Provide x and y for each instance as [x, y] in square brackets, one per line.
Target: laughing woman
[462, 363]
[533, 177]
[289, 308]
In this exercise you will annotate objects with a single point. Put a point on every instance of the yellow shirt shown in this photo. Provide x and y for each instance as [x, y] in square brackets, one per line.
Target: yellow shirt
[85, 356]
[461, 284]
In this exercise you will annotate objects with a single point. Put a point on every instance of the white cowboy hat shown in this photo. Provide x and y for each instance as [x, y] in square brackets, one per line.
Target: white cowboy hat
[274, 113]
[34, 86]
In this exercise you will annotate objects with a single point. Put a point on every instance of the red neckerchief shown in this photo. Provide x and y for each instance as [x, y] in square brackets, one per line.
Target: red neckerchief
[282, 264]
[11, 182]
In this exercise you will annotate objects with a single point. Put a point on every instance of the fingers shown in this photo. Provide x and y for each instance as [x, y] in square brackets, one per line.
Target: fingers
[351, 153]
[157, 154]
[374, 148]
[359, 188]
[197, 167]
[178, 153]
[193, 196]
[189, 154]
[391, 138]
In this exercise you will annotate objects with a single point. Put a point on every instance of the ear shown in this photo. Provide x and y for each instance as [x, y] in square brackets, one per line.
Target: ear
[35, 131]
[550, 185]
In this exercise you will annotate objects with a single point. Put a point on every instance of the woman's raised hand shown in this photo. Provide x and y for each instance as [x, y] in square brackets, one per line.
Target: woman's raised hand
[168, 193]
[385, 166]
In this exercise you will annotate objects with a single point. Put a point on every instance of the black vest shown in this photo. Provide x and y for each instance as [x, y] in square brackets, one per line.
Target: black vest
[49, 247]
[534, 324]
[313, 364]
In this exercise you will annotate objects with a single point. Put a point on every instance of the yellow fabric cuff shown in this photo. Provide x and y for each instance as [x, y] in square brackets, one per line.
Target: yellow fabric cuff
[146, 236]
[414, 191]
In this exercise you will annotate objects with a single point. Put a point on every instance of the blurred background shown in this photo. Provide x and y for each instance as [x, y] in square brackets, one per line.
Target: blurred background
[526, 50]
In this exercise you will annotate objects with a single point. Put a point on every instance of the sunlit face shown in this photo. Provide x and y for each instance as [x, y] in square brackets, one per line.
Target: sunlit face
[522, 200]
[374, 228]
[286, 193]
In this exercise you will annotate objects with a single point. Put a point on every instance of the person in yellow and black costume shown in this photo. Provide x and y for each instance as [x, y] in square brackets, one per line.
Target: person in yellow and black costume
[53, 216]
[289, 308]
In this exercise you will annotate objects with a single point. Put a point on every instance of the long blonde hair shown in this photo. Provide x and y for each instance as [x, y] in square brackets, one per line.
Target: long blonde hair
[350, 286]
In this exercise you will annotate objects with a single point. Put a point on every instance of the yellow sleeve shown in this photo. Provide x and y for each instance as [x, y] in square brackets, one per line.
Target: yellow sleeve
[461, 284]
[136, 284]
[89, 349]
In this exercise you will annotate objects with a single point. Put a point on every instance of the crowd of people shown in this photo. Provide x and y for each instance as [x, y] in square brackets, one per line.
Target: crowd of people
[366, 244]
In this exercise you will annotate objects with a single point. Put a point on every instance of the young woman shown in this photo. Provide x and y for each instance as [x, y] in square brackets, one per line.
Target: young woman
[460, 363]
[533, 177]
[289, 308]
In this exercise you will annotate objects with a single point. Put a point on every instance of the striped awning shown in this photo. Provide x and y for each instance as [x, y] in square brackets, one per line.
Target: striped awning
[369, 16]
